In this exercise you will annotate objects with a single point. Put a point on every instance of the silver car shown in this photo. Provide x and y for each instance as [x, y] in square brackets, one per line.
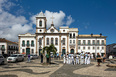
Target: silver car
[1, 59]
[15, 58]
[33, 56]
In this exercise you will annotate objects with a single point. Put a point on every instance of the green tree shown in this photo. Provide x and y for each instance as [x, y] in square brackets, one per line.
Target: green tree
[50, 49]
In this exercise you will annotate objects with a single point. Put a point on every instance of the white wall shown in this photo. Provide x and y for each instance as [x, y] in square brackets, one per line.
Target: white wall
[25, 39]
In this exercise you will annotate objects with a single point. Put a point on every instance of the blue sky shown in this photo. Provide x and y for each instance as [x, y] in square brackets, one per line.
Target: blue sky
[89, 16]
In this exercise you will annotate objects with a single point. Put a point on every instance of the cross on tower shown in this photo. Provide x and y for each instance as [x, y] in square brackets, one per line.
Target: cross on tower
[52, 19]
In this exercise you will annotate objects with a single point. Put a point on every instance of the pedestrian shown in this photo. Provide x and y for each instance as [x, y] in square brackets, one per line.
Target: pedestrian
[47, 58]
[67, 59]
[77, 59]
[98, 59]
[81, 58]
[86, 56]
[91, 56]
[41, 58]
[72, 59]
[28, 57]
[104, 58]
[64, 59]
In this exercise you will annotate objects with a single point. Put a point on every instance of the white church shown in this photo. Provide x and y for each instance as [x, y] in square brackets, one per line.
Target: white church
[66, 40]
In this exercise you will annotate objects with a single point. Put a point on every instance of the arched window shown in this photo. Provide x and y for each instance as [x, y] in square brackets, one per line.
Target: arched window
[47, 41]
[63, 41]
[40, 41]
[28, 43]
[56, 41]
[52, 41]
[40, 23]
[23, 43]
[32, 43]
[73, 35]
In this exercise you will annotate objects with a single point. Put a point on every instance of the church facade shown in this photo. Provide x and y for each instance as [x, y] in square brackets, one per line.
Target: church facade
[66, 40]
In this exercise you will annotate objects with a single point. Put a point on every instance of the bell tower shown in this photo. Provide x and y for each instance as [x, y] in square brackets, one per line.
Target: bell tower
[40, 23]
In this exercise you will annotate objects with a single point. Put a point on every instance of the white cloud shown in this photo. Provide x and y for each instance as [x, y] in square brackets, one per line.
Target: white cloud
[11, 26]
[69, 20]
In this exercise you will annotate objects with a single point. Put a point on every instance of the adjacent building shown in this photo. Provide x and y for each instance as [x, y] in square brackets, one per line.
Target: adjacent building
[8, 47]
[66, 40]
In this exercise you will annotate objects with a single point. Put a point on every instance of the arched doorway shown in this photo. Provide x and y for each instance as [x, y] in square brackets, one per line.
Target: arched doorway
[63, 52]
[27, 51]
[72, 51]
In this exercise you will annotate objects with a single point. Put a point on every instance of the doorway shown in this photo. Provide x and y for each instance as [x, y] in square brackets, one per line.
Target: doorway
[27, 51]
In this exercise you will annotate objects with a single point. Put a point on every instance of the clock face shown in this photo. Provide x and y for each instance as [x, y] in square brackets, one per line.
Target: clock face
[52, 30]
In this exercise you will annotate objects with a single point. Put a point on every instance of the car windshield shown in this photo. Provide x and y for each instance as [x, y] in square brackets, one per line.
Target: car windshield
[13, 56]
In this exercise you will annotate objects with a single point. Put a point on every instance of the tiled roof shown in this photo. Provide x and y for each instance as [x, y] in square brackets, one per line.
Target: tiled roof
[4, 40]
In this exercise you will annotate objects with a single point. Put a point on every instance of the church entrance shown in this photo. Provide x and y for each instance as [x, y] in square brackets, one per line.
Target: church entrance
[63, 52]
[27, 51]
[40, 51]
[72, 51]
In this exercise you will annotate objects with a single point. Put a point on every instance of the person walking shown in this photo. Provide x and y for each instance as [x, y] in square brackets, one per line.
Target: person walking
[81, 58]
[64, 59]
[77, 59]
[41, 58]
[88, 59]
[28, 57]
[86, 56]
[104, 58]
[98, 59]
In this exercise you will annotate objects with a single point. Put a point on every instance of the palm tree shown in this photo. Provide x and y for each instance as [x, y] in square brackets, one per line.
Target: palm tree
[50, 49]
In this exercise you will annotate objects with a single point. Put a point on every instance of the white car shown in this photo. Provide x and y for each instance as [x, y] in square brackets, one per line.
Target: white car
[1, 59]
[33, 57]
[15, 58]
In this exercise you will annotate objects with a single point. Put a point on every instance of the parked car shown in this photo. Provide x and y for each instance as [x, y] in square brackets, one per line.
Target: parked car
[33, 57]
[1, 59]
[15, 58]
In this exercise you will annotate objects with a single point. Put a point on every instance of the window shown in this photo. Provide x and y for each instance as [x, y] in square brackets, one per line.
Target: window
[32, 50]
[40, 23]
[28, 43]
[73, 35]
[40, 41]
[83, 48]
[47, 41]
[23, 43]
[84, 42]
[78, 47]
[98, 42]
[73, 41]
[79, 42]
[23, 50]
[102, 42]
[97, 47]
[89, 48]
[52, 41]
[89, 42]
[70, 41]
[56, 41]
[102, 48]
[63, 41]
[40, 30]
[32, 43]
[63, 30]
[93, 47]
[93, 42]
[70, 35]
